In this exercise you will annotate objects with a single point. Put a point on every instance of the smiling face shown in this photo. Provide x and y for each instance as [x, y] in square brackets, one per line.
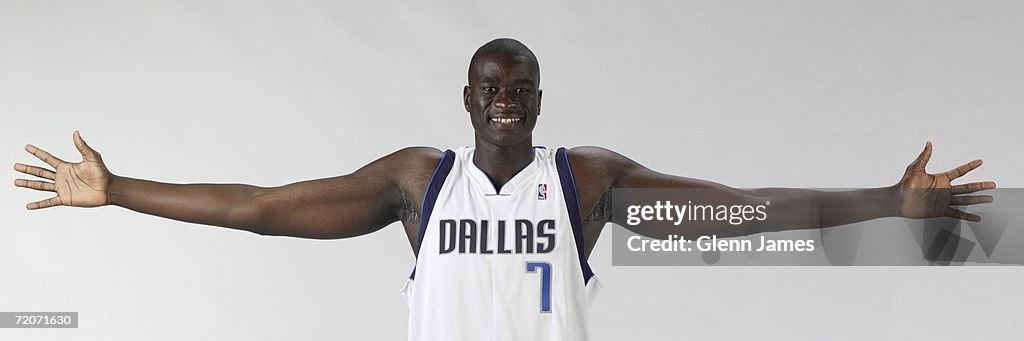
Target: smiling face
[503, 98]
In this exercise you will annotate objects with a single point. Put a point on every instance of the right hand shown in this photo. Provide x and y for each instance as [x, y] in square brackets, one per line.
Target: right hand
[82, 184]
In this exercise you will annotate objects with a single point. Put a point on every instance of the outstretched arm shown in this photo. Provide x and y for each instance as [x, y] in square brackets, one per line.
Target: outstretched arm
[339, 207]
[917, 195]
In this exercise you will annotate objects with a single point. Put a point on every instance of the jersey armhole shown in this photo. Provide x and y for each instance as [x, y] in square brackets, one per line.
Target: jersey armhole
[572, 205]
[430, 197]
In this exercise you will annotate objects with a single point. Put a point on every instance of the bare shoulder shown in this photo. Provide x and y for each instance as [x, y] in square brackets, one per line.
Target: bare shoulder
[411, 167]
[404, 162]
[415, 158]
[408, 170]
[598, 163]
[596, 170]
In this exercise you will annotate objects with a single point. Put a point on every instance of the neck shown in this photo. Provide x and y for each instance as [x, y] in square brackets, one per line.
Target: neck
[501, 163]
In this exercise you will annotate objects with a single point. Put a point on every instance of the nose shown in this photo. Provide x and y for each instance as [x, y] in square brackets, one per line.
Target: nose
[503, 100]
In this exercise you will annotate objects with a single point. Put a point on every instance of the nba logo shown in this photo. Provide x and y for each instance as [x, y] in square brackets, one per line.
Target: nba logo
[542, 192]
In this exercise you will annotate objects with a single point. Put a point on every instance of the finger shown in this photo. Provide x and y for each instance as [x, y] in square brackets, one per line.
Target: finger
[973, 187]
[958, 214]
[88, 153]
[33, 170]
[43, 203]
[43, 155]
[35, 184]
[963, 169]
[963, 200]
[922, 160]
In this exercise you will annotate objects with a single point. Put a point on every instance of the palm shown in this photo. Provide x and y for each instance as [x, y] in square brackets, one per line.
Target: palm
[82, 184]
[924, 195]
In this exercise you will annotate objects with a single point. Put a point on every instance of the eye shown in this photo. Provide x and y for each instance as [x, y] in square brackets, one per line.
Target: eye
[522, 90]
[489, 89]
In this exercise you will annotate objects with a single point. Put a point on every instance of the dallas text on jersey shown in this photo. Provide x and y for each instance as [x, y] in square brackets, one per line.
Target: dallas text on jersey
[471, 236]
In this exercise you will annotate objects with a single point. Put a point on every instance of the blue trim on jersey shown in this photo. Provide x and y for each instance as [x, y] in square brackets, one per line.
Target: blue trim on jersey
[430, 196]
[573, 205]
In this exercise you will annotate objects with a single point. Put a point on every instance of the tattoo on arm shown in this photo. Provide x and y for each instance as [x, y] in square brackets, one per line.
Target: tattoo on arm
[602, 210]
[406, 212]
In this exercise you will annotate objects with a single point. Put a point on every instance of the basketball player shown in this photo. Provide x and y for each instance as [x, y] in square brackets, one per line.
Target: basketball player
[501, 230]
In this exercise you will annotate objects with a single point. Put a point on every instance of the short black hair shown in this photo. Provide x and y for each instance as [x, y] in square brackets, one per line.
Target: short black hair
[505, 46]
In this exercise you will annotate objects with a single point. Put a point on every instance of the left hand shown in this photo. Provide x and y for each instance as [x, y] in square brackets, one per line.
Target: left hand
[924, 195]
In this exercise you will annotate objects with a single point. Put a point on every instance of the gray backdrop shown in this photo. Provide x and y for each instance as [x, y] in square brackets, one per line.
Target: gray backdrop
[750, 94]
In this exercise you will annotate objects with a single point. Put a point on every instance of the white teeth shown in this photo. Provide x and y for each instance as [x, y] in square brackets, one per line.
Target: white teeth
[505, 119]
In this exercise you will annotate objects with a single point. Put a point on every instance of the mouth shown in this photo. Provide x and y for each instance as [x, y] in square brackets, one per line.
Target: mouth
[505, 122]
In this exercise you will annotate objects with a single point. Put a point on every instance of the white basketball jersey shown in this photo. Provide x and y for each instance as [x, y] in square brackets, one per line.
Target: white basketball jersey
[500, 264]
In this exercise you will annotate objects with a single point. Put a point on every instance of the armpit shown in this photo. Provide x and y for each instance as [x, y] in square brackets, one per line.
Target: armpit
[602, 211]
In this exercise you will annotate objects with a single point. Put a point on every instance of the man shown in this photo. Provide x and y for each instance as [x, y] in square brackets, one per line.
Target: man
[502, 230]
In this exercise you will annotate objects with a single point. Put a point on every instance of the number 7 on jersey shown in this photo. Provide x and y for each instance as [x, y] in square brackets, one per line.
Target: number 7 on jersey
[545, 283]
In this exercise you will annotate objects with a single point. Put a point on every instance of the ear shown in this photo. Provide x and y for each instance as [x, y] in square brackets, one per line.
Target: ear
[540, 96]
[465, 97]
